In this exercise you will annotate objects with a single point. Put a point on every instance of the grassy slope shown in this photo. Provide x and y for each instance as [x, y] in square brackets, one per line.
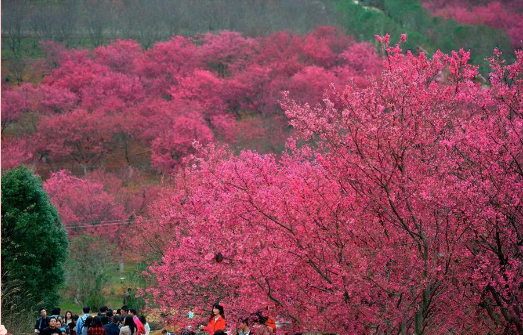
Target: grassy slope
[424, 31]
[113, 292]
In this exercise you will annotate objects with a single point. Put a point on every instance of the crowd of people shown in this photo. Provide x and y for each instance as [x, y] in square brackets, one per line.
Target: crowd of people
[125, 321]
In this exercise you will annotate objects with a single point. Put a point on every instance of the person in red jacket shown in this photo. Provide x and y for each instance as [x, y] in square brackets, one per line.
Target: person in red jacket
[217, 319]
[271, 323]
[140, 328]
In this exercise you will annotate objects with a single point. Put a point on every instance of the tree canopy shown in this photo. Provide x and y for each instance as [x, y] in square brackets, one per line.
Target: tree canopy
[34, 242]
[396, 209]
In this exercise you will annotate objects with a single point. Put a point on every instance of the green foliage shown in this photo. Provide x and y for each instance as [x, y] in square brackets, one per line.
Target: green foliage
[34, 242]
[424, 31]
[137, 279]
[87, 267]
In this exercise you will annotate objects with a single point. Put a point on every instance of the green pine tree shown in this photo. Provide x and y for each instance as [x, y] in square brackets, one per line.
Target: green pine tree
[34, 243]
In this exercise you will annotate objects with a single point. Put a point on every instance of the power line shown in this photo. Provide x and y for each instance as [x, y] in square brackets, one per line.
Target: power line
[98, 225]
[96, 221]
[108, 223]
[101, 223]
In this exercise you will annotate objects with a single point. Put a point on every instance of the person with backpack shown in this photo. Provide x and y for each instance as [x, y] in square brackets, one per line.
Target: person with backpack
[81, 320]
[87, 324]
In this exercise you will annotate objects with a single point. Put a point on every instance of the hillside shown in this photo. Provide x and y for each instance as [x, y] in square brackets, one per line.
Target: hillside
[128, 109]
[88, 24]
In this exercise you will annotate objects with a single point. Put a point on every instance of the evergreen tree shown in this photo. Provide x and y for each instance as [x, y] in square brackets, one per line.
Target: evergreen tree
[34, 241]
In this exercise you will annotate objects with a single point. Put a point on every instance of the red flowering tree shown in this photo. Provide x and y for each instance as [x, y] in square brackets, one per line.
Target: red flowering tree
[84, 205]
[50, 99]
[401, 212]
[14, 103]
[120, 56]
[14, 152]
[120, 106]
[506, 15]
[227, 51]
[177, 142]
[79, 136]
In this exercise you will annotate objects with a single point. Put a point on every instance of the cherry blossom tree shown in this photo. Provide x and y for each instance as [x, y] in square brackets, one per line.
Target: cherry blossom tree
[120, 56]
[84, 205]
[504, 15]
[79, 135]
[14, 103]
[398, 212]
[14, 152]
[49, 99]
[118, 105]
[323, 44]
[227, 51]
[175, 143]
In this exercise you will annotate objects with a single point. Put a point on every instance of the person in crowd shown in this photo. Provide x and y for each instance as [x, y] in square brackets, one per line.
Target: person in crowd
[101, 313]
[143, 320]
[56, 312]
[243, 328]
[112, 328]
[52, 328]
[119, 311]
[42, 322]
[263, 329]
[97, 328]
[81, 321]
[271, 322]
[124, 310]
[60, 327]
[126, 296]
[107, 319]
[128, 326]
[267, 325]
[64, 325]
[217, 319]
[140, 329]
[87, 325]
[68, 318]
[72, 325]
